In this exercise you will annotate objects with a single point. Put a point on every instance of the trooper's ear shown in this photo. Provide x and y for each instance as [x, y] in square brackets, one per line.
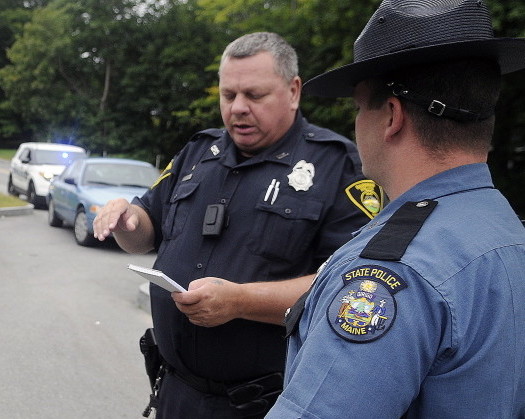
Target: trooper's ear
[397, 117]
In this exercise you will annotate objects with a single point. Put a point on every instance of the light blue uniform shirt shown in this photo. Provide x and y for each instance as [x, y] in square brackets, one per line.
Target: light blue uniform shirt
[437, 334]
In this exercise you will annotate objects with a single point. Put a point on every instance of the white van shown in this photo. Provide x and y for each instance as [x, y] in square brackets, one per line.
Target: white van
[35, 164]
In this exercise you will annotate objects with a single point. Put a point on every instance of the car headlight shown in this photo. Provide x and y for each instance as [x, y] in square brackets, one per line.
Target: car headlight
[94, 208]
[47, 175]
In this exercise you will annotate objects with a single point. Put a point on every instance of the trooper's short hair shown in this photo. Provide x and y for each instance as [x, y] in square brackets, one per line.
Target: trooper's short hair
[472, 84]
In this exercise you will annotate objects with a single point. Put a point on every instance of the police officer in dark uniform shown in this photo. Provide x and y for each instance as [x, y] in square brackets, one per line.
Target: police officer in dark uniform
[242, 217]
[421, 314]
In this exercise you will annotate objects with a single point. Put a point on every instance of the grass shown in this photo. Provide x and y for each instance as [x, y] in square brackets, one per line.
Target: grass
[6, 154]
[7, 201]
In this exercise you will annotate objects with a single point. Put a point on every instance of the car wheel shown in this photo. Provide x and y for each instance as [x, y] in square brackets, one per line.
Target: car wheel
[81, 230]
[11, 188]
[31, 193]
[52, 218]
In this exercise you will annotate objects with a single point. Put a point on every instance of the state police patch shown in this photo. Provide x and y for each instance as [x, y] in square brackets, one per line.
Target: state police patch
[365, 308]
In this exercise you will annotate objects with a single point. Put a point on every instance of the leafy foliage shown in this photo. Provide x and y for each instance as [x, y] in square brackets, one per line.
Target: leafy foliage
[139, 77]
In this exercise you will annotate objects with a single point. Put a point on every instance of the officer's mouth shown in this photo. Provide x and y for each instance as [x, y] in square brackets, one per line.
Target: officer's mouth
[243, 129]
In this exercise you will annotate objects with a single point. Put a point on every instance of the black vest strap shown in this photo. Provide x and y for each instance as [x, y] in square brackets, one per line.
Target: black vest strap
[391, 242]
[293, 316]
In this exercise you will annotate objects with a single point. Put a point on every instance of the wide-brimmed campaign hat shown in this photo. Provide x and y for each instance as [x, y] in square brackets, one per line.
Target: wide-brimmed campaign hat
[409, 32]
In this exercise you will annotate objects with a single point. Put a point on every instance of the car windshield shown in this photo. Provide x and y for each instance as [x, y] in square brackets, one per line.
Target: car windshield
[58, 157]
[120, 175]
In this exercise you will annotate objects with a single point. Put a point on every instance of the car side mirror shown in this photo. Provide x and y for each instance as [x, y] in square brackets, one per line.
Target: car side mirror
[70, 181]
[26, 160]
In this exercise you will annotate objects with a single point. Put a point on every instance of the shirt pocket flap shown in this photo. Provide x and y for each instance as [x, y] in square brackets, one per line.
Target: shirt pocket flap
[182, 191]
[293, 208]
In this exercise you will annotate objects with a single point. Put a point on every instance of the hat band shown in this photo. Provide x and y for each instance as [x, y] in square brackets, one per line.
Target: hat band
[438, 108]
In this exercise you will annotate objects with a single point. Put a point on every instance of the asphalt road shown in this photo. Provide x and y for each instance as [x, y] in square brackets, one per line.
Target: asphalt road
[70, 324]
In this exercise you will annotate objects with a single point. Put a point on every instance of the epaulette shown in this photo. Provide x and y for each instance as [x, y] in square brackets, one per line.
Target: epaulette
[315, 133]
[391, 242]
[210, 132]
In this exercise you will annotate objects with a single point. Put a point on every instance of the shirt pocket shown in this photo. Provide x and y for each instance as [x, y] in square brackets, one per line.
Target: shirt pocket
[286, 229]
[178, 209]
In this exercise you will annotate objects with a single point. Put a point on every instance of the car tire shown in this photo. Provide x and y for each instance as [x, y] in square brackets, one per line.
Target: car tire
[37, 201]
[31, 194]
[11, 188]
[81, 229]
[52, 218]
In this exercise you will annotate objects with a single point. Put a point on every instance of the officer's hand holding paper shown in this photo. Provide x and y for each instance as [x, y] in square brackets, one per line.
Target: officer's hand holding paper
[157, 277]
[211, 301]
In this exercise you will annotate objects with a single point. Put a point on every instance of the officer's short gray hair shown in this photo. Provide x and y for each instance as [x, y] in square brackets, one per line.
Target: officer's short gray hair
[285, 57]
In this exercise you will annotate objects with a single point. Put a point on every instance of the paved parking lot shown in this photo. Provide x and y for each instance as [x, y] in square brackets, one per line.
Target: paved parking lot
[70, 325]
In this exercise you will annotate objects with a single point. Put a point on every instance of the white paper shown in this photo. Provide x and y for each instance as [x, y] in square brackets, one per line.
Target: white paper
[157, 277]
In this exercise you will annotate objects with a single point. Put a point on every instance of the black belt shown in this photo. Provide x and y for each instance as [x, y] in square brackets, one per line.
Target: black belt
[204, 385]
[250, 397]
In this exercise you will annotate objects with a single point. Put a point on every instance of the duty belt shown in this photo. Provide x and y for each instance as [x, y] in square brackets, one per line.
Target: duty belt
[204, 385]
[251, 397]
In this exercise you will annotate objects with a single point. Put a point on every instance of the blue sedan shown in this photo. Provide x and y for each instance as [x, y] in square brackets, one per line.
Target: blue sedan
[86, 185]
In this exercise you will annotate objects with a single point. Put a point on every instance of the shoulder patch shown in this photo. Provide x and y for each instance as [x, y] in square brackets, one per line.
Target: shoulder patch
[366, 195]
[165, 173]
[365, 308]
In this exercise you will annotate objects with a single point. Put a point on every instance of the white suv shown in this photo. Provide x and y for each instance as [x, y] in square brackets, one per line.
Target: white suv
[34, 166]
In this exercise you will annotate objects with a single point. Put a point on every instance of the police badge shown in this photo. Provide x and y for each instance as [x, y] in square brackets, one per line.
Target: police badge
[301, 177]
[365, 308]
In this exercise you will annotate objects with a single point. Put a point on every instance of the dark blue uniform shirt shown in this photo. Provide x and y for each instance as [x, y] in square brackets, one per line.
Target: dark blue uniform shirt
[269, 234]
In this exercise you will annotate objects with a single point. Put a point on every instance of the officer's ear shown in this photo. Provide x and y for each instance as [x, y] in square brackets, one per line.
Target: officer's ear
[295, 88]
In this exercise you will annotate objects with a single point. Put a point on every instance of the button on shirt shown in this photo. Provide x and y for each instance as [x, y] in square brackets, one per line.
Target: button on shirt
[267, 235]
[455, 346]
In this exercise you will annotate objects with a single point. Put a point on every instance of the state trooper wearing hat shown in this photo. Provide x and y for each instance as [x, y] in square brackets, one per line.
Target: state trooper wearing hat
[421, 314]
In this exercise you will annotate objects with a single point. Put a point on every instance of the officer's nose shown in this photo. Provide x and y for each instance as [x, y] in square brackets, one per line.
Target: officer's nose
[240, 105]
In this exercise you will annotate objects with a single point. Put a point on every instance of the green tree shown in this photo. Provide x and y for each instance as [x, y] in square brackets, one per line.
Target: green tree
[107, 76]
[163, 99]
[13, 15]
[103, 36]
[62, 66]
[27, 81]
[507, 159]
